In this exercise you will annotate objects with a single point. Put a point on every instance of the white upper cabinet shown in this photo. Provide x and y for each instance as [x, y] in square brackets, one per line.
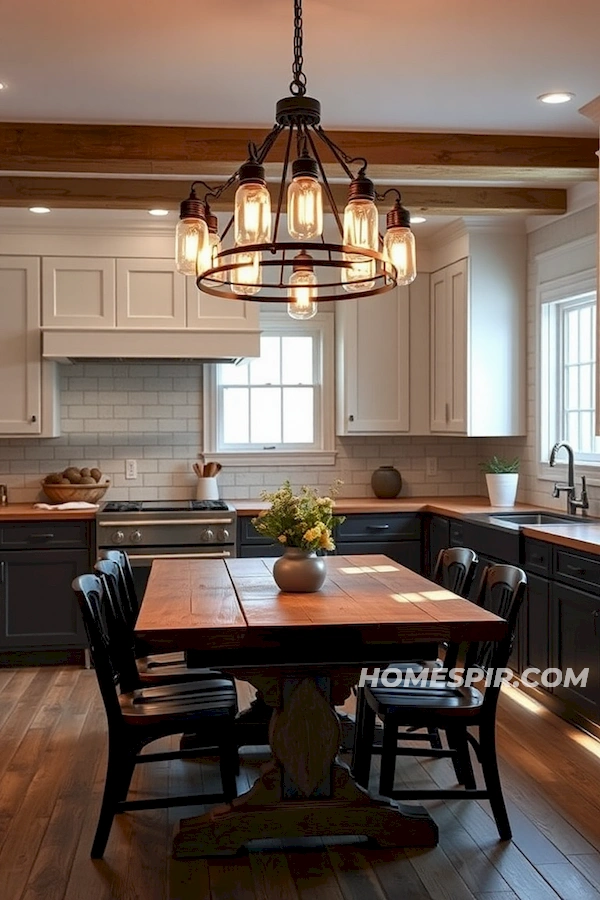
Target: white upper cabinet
[27, 400]
[372, 355]
[477, 310]
[449, 300]
[210, 313]
[78, 292]
[150, 294]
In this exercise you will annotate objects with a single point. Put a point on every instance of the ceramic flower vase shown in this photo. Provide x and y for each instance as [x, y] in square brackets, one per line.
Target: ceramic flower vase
[299, 571]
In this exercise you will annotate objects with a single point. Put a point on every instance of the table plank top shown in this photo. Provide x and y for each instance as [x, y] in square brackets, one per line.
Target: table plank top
[366, 600]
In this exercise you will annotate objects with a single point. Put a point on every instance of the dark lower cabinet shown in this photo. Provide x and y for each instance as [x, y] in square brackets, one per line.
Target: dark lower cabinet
[535, 626]
[439, 539]
[407, 553]
[38, 609]
[39, 616]
[397, 535]
[576, 645]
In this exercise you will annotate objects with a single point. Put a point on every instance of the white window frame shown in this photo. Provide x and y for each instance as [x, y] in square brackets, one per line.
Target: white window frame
[566, 288]
[323, 452]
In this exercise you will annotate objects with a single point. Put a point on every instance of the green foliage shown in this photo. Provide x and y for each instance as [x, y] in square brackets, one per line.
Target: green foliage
[304, 520]
[498, 465]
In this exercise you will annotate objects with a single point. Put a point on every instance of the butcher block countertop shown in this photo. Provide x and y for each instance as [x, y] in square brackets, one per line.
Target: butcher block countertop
[26, 512]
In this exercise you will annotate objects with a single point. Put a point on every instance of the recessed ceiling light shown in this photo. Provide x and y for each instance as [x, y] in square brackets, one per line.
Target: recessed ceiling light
[2, 85]
[417, 220]
[556, 97]
[158, 212]
[40, 210]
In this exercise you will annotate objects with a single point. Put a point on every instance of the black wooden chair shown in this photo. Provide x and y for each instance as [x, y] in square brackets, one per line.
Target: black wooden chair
[138, 717]
[454, 570]
[450, 709]
[162, 668]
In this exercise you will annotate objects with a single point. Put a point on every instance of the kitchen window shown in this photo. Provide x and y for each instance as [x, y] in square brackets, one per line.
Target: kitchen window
[278, 407]
[568, 370]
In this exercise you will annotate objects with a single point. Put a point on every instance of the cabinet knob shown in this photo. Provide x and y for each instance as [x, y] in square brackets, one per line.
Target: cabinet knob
[351, 418]
[33, 419]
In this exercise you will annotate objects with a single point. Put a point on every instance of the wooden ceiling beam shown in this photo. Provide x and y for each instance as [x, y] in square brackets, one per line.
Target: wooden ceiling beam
[138, 193]
[215, 152]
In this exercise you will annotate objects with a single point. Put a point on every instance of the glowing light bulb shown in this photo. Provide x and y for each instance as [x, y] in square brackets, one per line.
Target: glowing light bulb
[191, 235]
[360, 230]
[252, 209]
[305, 200]
[399, 243]
[302, 288]
[245, 278]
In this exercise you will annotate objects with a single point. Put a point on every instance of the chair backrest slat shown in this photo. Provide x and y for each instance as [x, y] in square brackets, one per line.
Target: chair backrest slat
[455, 568]
[123, 636]
[96, 611]
[132, 601]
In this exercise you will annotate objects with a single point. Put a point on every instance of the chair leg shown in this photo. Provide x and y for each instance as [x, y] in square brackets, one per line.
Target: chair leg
[457, 739]
[489, 764]
[229, 766]
[116, 775]
[363, 741]
[388, 756]
[434, 738]
[128, 766]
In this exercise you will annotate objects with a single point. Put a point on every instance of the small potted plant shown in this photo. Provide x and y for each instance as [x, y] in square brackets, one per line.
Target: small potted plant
[303, 523]
[502, 476]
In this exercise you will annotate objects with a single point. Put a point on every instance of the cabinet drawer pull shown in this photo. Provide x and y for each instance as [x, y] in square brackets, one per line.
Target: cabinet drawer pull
[595, 615]
[41, 537]
[2, 572]
[576, 570]
[537, 558]
[377, 527]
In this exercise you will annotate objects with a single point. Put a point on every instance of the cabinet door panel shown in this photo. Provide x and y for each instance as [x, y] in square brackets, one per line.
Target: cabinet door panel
[440, 325]
[439, 539]
[20, 350]
[576, 644]
[39, 608]
[535, 638]
[78, 292]
[373, 364]
[449, 321]
[150, 294]
[214, 314]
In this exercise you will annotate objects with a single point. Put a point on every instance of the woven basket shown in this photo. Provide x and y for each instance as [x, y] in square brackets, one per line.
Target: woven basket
[66, 493]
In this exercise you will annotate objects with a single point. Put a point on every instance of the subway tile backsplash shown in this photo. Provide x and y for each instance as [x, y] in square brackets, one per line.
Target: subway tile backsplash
[152, 412]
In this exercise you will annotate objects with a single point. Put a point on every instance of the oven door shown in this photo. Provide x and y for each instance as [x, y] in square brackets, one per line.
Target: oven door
[141, 558]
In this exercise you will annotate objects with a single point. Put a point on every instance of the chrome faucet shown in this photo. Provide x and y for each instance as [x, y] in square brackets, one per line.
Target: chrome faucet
[573, 504]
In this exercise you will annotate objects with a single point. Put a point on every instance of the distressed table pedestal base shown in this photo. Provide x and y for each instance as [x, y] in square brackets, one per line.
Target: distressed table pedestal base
[303, 791]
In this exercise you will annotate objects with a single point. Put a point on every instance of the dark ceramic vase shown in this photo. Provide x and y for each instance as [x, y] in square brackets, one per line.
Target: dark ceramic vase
[299, 571]
[386, 482]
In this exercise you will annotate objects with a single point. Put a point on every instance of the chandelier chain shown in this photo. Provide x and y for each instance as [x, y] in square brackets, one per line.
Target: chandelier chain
[298, 84]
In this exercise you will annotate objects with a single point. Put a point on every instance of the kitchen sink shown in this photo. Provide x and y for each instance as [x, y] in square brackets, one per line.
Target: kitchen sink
[518, 520]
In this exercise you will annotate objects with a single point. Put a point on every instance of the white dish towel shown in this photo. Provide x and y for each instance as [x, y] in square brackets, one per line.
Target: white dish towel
[73, 504]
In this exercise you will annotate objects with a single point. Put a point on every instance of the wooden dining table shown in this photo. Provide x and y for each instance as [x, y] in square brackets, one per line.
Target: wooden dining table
[304, 653]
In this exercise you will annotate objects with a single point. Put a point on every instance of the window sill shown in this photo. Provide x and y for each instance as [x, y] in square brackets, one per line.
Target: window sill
[559, 473]
[301, 458]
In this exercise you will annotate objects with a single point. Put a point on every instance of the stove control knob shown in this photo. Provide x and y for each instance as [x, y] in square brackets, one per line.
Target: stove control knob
[136, 537]
[223, 536]
[117, 537]
[207, 536]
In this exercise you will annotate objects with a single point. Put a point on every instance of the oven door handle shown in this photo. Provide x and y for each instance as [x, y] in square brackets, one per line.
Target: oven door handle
[149, 557]
[134, 523]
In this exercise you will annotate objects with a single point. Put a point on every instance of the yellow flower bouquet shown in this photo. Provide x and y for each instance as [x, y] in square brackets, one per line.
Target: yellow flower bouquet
[302, 520]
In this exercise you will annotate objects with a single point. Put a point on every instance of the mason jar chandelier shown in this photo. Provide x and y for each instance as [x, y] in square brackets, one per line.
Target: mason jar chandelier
[304, 269]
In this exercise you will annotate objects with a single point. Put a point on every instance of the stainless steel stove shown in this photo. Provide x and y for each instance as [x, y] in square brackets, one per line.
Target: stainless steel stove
[171, 529]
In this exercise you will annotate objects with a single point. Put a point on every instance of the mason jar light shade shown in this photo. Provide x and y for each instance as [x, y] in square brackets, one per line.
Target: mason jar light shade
[305, 208]
[245, 279]
[360, 230]
[399, 248]
[301, 291]
[191, 238]
[252, 214]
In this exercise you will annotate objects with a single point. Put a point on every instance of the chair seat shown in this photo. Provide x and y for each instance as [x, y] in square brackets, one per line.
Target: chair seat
[151, 671]
[417, 704]
[187, 702]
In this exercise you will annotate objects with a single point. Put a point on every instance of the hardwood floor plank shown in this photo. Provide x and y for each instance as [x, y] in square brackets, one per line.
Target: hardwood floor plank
[568, 882]
[396, 874]
[231, 879]
[503, 895]
[589, 865]
[272, 877]
[355, 875]
[313, 876]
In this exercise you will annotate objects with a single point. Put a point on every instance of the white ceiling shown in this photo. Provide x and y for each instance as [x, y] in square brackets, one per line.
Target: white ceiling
[429, 65]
